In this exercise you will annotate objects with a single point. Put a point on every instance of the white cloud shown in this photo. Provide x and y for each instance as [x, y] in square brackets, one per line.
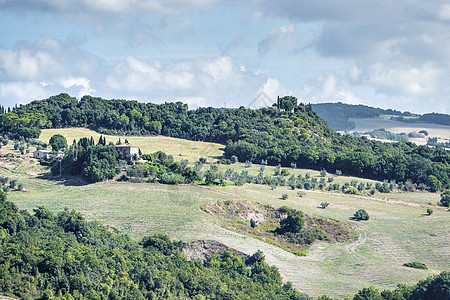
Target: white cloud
[328, 88]
[12, 93]
[407, 81]
[201, 81]
[119, 7]
[278, 38]
[444, 12]
[81, 82]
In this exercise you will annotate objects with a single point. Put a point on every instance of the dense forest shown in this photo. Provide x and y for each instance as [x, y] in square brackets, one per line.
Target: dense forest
[48, 256]
[288, 133]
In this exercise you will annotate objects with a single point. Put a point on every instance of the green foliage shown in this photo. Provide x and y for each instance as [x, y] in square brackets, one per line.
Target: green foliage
[429, 211]
[292, 223]
[433, 183]
[369, 293]
[252, 223]
[285, 172]
[445, 198]
[361, 215]
[416, 265]
[284, 196]
[301, 193]
[324, 205]
[58, 142]
[93, 162]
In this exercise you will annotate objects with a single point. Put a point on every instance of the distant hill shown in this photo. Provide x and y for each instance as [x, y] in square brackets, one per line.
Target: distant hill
[337, 115]
[432, 118]
[287, 134]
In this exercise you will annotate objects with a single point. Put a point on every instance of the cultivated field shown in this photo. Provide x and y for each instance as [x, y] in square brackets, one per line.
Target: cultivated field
[396, 233]
[442, 132]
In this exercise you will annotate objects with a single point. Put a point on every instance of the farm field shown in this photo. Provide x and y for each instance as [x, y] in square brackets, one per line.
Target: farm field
[434, 130]
[396, 233]
[179, 148]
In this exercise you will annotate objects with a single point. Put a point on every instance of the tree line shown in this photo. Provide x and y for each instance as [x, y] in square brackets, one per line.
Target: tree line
[287, 133]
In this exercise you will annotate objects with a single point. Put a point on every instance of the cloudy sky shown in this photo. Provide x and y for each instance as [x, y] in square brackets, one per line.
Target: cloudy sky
[389, 54]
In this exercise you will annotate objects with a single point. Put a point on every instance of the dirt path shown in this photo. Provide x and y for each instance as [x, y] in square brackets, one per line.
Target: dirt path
[361, 240]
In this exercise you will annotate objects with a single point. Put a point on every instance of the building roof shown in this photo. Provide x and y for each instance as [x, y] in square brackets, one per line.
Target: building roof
[126, 145]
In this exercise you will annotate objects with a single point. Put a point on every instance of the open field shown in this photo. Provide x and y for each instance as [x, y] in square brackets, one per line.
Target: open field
[434, 130]
[395, 234]
[179, 148]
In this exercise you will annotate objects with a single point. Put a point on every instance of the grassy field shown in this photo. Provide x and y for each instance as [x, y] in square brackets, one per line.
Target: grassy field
[434, 130]
[179, 148]
[396, 233]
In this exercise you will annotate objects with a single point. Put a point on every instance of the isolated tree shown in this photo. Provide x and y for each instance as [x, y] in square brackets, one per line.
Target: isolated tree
[58, 142]
[361, 215]
[429, 211]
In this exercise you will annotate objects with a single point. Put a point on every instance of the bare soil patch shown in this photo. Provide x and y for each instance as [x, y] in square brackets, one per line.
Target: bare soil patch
[237, 217]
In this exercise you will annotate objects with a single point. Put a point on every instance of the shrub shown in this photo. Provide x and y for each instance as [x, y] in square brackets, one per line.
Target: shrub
[234, 159]
[361, 215]
[324, 205]
[252, 223]
[445, 199]
[248, 164]
[323, 172]
[301, 193]
[13, 183]
[429, 211]
[338, 172]
[285, 172]
[416, 265]
[284, 196]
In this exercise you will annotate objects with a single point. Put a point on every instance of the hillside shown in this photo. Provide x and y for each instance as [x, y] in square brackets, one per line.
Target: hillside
[338, 115]
[290, 134]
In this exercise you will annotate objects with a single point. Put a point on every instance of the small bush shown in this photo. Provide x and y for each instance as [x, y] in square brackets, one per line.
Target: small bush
[324, 205]
[416, 265]
[361, 215]
[429, 211]
[285, 172]
[284, 196]
[252, 223]
[301, 193]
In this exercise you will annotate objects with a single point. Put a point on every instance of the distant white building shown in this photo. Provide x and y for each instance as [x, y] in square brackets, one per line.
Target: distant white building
[46, 154]
[127, 150]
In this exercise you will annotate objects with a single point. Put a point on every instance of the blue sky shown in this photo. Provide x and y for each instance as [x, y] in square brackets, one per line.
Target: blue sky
[389, 54]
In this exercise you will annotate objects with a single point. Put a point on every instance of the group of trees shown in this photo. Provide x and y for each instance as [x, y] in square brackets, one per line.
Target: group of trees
[94, 162]
[162, 168]
[291, 134]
